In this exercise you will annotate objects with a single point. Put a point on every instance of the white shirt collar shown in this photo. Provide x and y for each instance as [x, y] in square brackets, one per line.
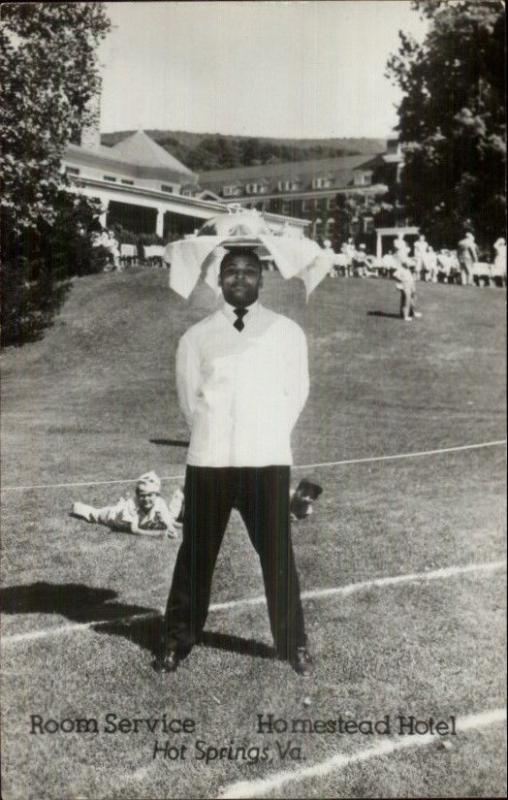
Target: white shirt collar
[230, 315]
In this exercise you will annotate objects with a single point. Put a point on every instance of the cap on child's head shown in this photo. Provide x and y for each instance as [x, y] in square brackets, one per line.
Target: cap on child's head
[149, 482]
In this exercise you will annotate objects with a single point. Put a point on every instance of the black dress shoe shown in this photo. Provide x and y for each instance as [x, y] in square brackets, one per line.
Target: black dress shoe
[168, 662]
[302, 662]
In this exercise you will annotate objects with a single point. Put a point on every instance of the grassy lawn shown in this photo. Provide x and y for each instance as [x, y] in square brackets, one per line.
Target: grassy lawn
[95, 401]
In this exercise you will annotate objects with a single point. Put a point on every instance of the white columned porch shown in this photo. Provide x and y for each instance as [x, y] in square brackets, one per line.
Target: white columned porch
[159, 222]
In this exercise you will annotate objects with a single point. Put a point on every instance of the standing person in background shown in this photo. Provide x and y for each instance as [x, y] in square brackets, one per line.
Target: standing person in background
[430, 265]
[349, 250]
[388, 263]
[499, 266]
[406, 286]
[468, 256]
[242, 381]
[401, 254]
[420, 249]
[360, 262]
[444, 265]
[332, 258]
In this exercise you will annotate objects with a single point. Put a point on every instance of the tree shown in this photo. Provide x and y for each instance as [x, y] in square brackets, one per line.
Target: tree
[452, 119]
[49, 75]
[356, 216]
[37, 265]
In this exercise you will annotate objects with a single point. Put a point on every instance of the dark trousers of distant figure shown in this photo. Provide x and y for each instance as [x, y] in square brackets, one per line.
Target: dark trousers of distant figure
[261, 495]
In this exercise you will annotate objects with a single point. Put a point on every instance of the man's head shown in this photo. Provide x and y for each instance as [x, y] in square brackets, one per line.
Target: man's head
[240, 277]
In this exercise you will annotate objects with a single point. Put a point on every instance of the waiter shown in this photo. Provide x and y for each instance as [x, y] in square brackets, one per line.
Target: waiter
[242, 381]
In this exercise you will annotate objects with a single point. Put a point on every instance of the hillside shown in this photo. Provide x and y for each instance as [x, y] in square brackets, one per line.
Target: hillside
[205, 151]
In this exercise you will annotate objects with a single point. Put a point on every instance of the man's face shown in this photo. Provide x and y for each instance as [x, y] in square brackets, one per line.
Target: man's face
[240, 280]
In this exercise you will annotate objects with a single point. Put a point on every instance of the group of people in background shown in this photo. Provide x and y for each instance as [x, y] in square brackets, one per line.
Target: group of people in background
[462, 265]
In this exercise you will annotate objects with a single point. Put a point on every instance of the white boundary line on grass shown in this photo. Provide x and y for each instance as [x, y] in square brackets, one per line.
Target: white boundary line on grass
[261, 786]
[369, 459]
[344, 591]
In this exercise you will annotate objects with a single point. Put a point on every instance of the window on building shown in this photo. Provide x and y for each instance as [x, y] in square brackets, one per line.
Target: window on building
[71, 171]
[287, 186]
[127, 182]
[166, 188]
[321, 182]
[230, 189]
[363, 178]
[110, 178]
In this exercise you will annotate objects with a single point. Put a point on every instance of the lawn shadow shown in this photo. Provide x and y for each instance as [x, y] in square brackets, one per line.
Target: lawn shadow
[170, 442]
[147, 634]
[80, 603]
[383, 314]
[75, 601]
[237, 644]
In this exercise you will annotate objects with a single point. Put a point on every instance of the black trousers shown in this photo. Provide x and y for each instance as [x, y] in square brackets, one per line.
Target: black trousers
[261, 495]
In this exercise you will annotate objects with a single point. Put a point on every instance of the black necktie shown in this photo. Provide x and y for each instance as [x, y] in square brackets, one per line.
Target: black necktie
[239, 323]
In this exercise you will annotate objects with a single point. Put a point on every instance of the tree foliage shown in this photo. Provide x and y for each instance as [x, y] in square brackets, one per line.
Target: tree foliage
[49, 74]
[37, 266]
[452, 119]
[202, 152]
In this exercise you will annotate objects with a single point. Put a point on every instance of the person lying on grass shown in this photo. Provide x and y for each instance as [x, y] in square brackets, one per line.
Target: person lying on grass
[302, 498]
[145, 514]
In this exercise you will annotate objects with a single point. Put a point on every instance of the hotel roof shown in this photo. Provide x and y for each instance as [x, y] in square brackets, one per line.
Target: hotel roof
[340, 170]
[141, 150]
[137, 155]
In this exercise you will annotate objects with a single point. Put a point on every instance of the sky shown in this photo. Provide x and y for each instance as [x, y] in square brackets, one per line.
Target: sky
[290, 69]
